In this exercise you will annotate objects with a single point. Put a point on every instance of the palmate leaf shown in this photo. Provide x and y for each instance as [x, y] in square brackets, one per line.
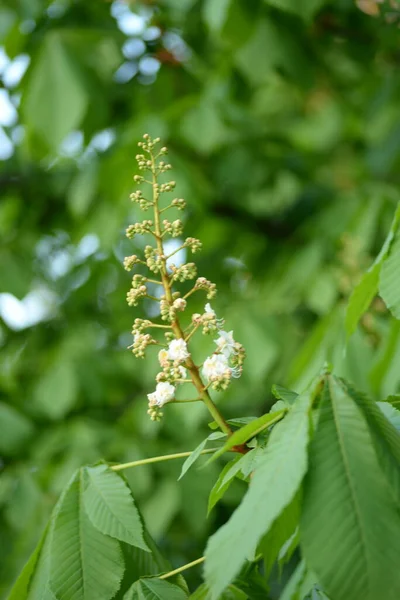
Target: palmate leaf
[110, 506]
[85, 564]
[155, 589]
[350, 526]
[275, 482]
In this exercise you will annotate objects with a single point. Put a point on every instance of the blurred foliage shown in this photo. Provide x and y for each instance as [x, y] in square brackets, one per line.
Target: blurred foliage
[283, 124]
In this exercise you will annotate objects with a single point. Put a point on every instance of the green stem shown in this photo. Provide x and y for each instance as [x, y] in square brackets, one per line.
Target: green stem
[183, 568]
[155, 459]
[176, 328]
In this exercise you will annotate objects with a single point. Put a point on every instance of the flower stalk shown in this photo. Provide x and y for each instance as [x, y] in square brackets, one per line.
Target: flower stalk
[176, 359]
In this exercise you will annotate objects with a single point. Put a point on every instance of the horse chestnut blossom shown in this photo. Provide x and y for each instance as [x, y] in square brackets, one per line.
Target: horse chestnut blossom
[174, 285]
[177, 350]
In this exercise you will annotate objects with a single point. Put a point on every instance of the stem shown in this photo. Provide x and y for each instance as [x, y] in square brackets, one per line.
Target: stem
[176, 328]
[155, 459]
[183, 568]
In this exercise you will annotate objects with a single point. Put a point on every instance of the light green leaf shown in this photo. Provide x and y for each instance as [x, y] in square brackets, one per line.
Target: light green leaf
[215, 13]
[274, 484]
[110, 507]
[248, 431]
[155, 589]
[389, 282]
[189, 462]
[223, 482]
[361, 297]
[364, 292]
[350, 526]
[56, 99]
[281, 393]
[85, 564]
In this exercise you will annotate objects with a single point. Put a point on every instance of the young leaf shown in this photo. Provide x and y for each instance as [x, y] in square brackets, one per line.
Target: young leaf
[275, 482]
[110, 507]
[361, 297]
[155, 589]
[365, 291]
[85, 564]
[389, 283]
[281, 393]
[350, 526]
[394, 400]
[223, 482]
[248, 431]
[237, 422]
[197, 452]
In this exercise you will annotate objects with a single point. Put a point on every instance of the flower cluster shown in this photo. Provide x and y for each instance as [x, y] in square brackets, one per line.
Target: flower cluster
[176, 363]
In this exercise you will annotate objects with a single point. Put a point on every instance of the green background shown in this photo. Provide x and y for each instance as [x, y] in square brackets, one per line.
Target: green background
[283, 123]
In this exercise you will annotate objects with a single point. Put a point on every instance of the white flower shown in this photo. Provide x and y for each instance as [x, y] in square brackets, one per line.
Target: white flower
[183, 372]
[209, 310]
[226, 343]
[177, 350]
[163, 394]
[163, 358]
[215, 366]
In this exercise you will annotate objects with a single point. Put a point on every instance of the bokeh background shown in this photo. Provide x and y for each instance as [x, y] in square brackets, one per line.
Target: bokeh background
[283, 122]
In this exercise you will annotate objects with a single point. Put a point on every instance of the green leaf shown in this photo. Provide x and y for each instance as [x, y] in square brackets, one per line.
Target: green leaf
[389, 282]
[189, 462]
[223, 482]
[386, 439]
[275, 482]
[303, 8]
[248, 431]
[365, 291]
[350, 526]
[280, 532]
[238, 422]
[394, 400]
[361, 297]
[215, 14]
[85, 564]
[110, 507]
[155, 589]
[21, 586]
[56, 391]
[391, 413]
[232, 592]
[15, 429]
[281, 393]
[56, 99]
